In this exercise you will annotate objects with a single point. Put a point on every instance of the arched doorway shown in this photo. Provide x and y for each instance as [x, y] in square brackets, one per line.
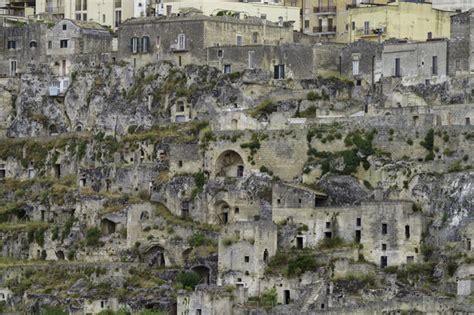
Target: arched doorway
[230, 164]
[204, 272]
[222, 209]
[60, 255]
[155, 256]
[53, 130]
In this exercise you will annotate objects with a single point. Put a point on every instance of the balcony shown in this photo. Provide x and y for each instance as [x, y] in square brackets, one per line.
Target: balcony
[58, 87]
[324, 30]
[325, 10]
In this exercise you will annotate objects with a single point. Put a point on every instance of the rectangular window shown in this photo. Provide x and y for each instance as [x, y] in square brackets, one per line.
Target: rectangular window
[407, 232]
[11, 44]
[220, 53]
[353, 26]
[247, 259]
[239, 40]
[78, 16]
[118, 18]
[306, 24]
[84, 17]
[384, 247]
[430, 35]
[384, 228]
[358, 222]
[13, 68]
[251, 59]
[227, 69]
[134, 45]
[355, 67]
[78, 5]
[398, 72]
[118, 3]
[181, 42]
[279, 72]
[50, 44]
[328, 225]
[366, 27]
[383, 261]
[84, 5]
[63, 43]
[64, 27]
[435, 65]
[358, 236]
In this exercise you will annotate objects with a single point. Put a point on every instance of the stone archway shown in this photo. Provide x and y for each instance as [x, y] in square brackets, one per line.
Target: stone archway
[229, 164]
[222, 211]
[155, 256]
[204, 272]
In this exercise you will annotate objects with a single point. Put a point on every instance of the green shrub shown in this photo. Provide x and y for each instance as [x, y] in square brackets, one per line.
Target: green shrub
[52, 310]
[188, 279]
[264, 108]
[198, 239]
[269, 297]
[302, 263]
[93, 237]
[428, 142]
[313, 96]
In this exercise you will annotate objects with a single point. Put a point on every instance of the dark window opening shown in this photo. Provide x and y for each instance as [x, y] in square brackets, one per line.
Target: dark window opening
[180, 163]
[328, 234]
[383, 261]
[410, 259]
[63, 43]
[328, 225]
[359, 222]
[236, 210]
[64, 27]
[287, 296]
[435, 65]
[384, 247]
[225, 217]
[265, 256]
[358, 236]
[240, 171]
[384, 228]
[247, 259]
[407, 232]
[279, 72]
[299, 242]
[398, 72]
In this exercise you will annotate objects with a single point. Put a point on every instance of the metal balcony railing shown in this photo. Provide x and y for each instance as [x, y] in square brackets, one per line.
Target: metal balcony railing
[325, 9]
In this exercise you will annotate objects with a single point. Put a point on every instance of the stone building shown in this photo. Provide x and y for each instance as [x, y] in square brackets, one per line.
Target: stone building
[110, 13]
[272, 10]
[453, 5]
[461, 47]
[70, 42]
[20, 46]
[244, 250]
[390, 231]
[185, 39]
[410, 62]
[284, 61]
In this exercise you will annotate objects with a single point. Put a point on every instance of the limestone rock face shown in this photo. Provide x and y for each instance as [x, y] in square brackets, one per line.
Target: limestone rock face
[342, 190]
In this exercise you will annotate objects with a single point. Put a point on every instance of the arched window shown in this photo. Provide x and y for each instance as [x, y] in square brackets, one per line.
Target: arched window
[134, 45]
[145, 43]
[33, 44]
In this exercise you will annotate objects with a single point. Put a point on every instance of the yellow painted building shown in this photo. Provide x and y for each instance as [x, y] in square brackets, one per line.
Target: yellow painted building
[105, 12]
[403, 20]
